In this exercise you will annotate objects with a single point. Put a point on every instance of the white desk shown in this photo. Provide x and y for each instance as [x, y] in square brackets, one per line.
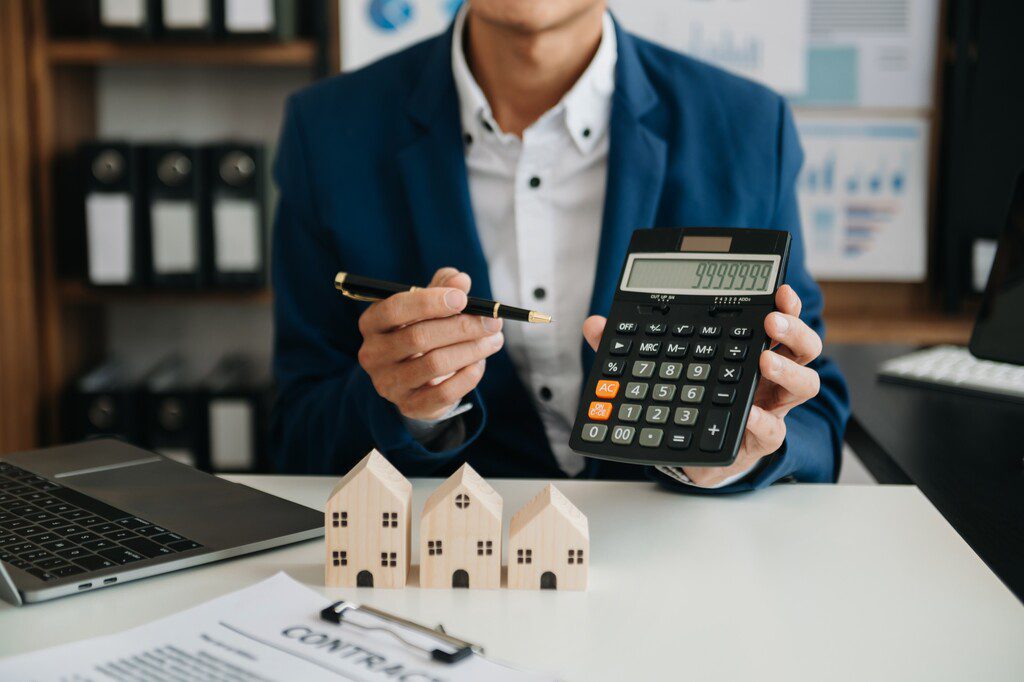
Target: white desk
[794, 582]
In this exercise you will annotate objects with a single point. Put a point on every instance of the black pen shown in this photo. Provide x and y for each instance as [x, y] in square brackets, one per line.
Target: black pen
[367, 289]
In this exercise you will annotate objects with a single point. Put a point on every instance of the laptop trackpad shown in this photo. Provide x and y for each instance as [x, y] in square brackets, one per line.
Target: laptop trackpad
[206, 509]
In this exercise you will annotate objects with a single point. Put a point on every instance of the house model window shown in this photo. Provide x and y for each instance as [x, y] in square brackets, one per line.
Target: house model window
[461, 501]
[339, 519]
[434, 547]
[389, 519]
[575, 556]
[483, 548]
[524, 556]
[339, 558]
[388, 559]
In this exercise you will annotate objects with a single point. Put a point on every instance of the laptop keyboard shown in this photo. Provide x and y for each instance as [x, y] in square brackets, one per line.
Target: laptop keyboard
[53, 532]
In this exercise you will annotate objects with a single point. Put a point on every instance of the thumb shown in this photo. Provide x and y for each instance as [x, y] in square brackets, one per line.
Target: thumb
[593, 328]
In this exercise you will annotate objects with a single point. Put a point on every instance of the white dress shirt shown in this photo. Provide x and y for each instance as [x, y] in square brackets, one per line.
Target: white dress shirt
[538, 204]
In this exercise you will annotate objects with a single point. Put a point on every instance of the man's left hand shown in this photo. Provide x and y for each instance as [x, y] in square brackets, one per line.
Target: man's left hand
[786, 382]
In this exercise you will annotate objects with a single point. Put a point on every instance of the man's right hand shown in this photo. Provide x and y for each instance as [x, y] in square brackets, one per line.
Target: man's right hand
[421, 354]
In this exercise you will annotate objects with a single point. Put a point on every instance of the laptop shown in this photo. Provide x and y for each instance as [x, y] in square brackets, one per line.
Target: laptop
[993, 364]
[81, 517]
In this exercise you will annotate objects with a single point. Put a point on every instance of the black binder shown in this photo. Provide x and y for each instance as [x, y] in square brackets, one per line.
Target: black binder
[128, 19]
[258, 19]
[174, 419]
[115, 233]
[237, 235]
[104, 402]
[190, 19]
[235, 398]
[176, 214]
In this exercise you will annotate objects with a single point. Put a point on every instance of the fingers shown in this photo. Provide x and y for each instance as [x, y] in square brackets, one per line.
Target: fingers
[792, 383]
[796, 340]
[788, 301]
[765, 433]
[423, 403]
[593, 328]
[411, 306]
[423, 337]
[403, 379]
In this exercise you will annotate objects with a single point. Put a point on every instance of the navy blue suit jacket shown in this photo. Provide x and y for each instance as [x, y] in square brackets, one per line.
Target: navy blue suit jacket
[373, 180]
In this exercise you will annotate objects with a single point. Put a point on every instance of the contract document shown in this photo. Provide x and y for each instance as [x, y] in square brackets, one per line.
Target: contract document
[271, 631]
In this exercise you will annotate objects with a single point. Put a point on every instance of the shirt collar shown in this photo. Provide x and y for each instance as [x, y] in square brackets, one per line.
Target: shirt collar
[587, 105]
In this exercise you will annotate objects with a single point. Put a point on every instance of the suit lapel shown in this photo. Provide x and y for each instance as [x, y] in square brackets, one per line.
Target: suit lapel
[636, 173]
[433, 170]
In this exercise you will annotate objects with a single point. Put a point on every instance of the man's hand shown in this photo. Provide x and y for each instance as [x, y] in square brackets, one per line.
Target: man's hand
[421, 354]
[785, 383]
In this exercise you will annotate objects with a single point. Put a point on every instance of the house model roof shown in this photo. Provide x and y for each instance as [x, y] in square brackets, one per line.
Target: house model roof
[468, 478]
[551, 497]
[376, 465]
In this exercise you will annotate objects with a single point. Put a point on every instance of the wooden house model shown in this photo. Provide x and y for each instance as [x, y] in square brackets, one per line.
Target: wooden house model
[368, 526]
[548, 544]
[460, 534]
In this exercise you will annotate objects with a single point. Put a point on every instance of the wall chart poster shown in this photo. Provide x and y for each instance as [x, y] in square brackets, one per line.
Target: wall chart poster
[863, 198]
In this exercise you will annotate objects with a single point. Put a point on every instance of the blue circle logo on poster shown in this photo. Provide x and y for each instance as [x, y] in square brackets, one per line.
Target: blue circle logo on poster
[389, 15]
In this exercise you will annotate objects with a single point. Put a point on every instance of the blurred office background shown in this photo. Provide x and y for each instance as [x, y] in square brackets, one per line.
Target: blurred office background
[136, 138]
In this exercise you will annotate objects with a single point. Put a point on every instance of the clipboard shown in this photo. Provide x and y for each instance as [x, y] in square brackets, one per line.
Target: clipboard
[453, 651]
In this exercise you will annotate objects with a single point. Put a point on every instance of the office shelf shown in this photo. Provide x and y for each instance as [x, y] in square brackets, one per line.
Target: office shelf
[76, 292]
[297, 53]
[919, 330]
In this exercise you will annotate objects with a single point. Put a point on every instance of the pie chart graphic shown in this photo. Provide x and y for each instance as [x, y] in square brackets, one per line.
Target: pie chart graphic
[389, 15]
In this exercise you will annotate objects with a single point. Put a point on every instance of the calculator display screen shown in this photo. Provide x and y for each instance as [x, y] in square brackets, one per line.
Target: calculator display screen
[699, 274]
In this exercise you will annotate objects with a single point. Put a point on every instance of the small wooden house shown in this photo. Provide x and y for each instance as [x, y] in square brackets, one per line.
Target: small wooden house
[368, 523]
[548, 544]
[460, 534]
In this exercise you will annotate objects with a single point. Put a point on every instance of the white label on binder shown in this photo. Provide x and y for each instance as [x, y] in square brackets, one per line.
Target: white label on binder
[122, 13]
[185, 14]
[249, 16]
[108, 229]
[175, 237]
[231, 424]
[236, 235]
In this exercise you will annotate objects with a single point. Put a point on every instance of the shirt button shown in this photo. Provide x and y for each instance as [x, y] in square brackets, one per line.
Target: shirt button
[545, 393]
[535, 182]
[539, 293]
[468, 138]
[586, 132]
[487, 125]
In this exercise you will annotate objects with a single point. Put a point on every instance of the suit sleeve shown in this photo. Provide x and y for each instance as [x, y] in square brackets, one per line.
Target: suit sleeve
[814, 430]
[327, 414]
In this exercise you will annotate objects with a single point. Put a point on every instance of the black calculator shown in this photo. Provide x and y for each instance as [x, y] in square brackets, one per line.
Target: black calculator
[675, 374]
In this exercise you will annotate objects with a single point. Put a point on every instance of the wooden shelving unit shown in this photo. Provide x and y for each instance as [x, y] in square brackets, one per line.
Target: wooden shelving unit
[62, 71]
[76, 292]
[298, 53]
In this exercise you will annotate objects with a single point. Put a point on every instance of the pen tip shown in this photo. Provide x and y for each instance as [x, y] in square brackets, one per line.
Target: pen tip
[539, 317]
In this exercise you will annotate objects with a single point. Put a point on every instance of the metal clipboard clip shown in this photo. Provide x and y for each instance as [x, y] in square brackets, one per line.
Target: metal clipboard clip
[335, 613]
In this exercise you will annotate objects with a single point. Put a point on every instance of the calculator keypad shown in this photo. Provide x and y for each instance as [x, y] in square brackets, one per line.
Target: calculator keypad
[673, 386]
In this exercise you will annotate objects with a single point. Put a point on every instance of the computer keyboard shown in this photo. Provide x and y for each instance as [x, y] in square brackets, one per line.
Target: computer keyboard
[955, 369]
[53, 532]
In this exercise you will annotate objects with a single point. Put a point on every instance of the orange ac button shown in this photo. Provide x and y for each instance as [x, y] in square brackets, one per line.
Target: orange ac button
[601, 412]
[607, 389]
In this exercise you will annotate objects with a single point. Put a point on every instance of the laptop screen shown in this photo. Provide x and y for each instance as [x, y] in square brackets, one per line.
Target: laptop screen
[999, 329]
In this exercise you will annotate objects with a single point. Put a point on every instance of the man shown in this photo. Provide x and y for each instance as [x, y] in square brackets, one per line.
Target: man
[515, 154]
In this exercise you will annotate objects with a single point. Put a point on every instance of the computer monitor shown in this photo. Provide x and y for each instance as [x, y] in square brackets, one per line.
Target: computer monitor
[999, 330]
